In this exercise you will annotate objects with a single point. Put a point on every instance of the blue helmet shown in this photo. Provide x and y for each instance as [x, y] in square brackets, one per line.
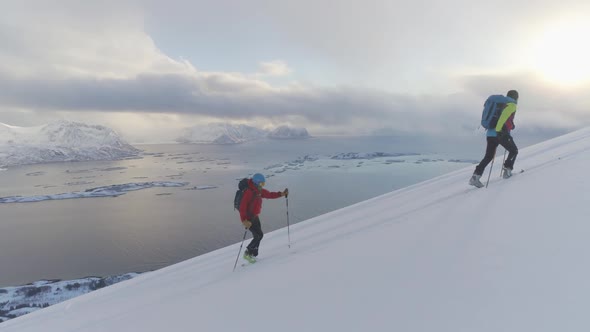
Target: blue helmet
[258, 178]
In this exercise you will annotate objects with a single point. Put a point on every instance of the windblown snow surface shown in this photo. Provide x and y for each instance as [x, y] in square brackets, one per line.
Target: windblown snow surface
[436, 256]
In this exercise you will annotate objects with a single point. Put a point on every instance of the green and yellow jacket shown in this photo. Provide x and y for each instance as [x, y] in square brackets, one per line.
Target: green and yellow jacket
[505, 122]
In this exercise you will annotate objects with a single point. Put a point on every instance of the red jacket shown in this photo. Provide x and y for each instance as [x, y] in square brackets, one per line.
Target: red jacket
[251, 204]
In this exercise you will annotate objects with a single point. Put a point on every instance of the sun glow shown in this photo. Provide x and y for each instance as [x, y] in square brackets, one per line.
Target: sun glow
[562, 54]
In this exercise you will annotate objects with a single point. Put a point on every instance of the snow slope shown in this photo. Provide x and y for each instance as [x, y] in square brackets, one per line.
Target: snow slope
[436, 256]
[61, 141]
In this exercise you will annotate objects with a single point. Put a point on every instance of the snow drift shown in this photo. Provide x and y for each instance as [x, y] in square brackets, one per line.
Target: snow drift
[436, 256]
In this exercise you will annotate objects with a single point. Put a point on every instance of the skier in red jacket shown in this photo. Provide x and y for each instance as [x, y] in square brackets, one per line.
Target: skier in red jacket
[250, 208]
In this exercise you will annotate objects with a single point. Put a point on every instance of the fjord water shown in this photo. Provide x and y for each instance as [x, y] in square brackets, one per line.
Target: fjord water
[152, 228]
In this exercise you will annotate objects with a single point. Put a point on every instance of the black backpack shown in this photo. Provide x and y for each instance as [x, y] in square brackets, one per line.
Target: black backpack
[242, 186]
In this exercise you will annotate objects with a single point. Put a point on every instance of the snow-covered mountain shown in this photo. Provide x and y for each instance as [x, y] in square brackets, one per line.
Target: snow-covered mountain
[221, 133]
[286, 132]
[61, 141]
[436, 256]
[225, 133]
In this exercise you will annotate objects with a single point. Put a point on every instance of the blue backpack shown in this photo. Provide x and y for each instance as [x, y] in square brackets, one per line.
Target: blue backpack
[492, 109]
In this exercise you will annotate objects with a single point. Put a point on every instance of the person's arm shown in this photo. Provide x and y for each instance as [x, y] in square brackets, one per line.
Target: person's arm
[271, 195]
[506, 113]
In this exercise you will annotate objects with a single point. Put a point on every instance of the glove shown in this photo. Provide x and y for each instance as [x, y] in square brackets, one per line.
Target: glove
[247, 224]
[500, 134]
[285, 192]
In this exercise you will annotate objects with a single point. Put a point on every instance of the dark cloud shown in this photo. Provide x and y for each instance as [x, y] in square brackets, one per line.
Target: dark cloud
[218, 95]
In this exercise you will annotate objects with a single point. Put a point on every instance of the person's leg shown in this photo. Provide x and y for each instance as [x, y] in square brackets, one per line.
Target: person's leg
[508, 143]
[492, 144]
[256, 230]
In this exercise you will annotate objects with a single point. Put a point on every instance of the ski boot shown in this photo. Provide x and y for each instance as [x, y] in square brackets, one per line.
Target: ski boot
[506, 172]
[474, 181]
[251, 259]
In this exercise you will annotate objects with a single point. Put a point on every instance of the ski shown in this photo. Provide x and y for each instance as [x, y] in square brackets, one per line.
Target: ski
[513, 174]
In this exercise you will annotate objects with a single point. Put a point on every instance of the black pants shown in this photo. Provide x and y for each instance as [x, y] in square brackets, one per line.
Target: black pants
[508, 143]
[256, 230]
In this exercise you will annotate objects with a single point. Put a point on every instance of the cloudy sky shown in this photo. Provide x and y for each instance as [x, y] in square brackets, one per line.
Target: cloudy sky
[148, 68]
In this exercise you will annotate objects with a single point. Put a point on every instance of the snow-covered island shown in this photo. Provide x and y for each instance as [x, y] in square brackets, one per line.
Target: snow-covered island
[61, 141]
[225, 133]
[354, 159]
[220, 133]
[369, 155]
[286, 132]
[21, 300]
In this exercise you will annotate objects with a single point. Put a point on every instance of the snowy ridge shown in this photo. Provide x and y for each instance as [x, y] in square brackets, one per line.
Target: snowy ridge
[61, 141]
[435, 256]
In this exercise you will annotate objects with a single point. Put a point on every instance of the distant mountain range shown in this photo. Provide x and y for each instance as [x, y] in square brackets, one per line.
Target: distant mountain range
[74, 141]
[224, 133]
[61, 141]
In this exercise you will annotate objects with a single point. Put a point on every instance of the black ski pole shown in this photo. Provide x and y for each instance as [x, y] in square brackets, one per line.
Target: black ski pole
[288, 226]
[491, 167]
[239, 252]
